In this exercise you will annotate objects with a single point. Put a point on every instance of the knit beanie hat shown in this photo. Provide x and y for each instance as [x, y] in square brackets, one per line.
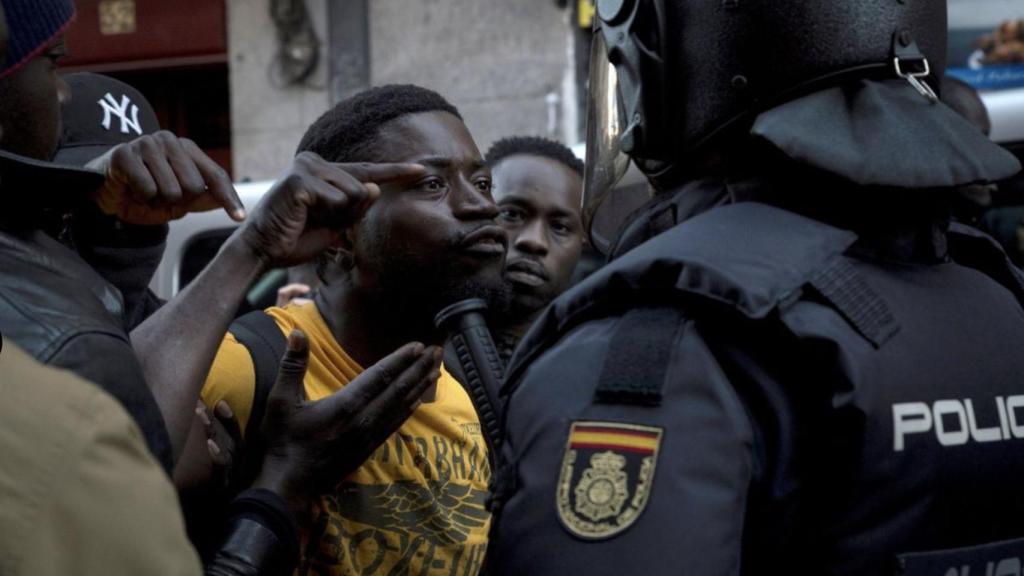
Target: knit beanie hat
[32, 26]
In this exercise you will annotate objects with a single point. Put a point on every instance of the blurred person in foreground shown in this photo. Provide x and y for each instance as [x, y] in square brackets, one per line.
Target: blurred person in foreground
[794, 362]
[416, 505]
[81, 493]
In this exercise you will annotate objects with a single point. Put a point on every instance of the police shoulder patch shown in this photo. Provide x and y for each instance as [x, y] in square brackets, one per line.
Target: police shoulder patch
[606, 477]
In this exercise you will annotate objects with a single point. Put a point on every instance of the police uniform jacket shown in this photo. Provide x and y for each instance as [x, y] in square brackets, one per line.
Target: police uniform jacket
[805, 376]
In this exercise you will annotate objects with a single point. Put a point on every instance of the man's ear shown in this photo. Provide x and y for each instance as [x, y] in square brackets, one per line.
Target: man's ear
[335, 261]
[347, 241]
[344, 251]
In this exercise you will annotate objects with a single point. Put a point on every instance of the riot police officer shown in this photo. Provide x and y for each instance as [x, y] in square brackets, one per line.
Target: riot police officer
[793, 363]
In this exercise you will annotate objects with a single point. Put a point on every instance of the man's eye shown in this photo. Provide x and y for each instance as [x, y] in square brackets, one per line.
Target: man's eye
[56, 53]
[511, 215]
[566, 228]
[484, 186]
[433, 185]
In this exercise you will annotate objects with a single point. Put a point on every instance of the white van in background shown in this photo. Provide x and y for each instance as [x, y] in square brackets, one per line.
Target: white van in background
[1006, 110]
[986, 50]
[194, 240]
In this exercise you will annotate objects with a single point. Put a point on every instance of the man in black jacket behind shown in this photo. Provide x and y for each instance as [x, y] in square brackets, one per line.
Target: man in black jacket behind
[52, 303]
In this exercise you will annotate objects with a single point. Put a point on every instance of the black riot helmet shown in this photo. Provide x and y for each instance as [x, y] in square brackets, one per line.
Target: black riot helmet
[669, 76]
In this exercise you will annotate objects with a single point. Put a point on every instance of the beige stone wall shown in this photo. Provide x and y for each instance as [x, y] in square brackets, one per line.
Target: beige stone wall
[496, 60]
[267, 121]
[503, 63]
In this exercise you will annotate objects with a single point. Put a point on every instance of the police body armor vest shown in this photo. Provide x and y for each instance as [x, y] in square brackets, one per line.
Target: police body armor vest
[885, 400]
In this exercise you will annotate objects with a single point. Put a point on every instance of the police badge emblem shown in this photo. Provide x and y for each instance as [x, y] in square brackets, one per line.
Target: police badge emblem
[606, 477]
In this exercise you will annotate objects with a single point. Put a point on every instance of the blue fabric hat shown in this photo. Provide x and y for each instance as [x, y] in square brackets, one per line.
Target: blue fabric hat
[33, 25]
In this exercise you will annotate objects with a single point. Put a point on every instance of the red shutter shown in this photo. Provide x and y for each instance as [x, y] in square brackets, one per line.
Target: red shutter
[125, 34]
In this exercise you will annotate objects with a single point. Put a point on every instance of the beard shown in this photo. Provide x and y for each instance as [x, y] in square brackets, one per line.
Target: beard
[529, 301]
[488, 287]
[413, 289]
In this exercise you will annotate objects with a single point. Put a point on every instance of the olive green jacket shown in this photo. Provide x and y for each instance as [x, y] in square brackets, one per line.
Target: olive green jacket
[79, 491]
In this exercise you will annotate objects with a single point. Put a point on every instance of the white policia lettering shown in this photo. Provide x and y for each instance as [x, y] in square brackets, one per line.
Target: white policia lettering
[112, 107]
[919, 417]
[1005, 567]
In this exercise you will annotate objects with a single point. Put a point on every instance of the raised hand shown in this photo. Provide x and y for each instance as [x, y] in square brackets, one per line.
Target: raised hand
[159, 177]
[308, 209]
[223, 443]
[311, 446]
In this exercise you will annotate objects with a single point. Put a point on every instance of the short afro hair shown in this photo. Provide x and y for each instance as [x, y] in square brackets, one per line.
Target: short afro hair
[534, 146]
[345, 133]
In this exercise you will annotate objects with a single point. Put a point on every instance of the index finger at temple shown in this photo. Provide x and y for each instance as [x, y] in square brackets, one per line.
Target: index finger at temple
[378, 173]
[353, 188]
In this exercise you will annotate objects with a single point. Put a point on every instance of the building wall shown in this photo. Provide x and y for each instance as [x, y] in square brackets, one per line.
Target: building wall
[506, 64]
[501, 62]
[267, 121]
[982, 13]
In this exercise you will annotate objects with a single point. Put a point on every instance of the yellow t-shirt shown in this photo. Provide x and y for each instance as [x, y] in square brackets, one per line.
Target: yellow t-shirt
[416, 506]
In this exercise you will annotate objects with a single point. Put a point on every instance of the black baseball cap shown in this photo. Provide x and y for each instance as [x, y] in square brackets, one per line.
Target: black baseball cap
[103, 112]
[49, 180]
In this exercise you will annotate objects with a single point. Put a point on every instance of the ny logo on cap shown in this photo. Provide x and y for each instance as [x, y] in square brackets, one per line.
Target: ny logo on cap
[112, 108]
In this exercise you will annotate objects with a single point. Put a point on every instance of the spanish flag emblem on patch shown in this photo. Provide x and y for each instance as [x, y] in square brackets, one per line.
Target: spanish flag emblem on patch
[606, 477]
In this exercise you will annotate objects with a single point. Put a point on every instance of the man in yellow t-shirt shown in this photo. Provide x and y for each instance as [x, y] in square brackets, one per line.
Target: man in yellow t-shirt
[419, 500]
[416, 506]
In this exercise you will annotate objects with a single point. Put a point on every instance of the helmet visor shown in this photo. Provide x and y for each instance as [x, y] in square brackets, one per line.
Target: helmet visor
[606, 162]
